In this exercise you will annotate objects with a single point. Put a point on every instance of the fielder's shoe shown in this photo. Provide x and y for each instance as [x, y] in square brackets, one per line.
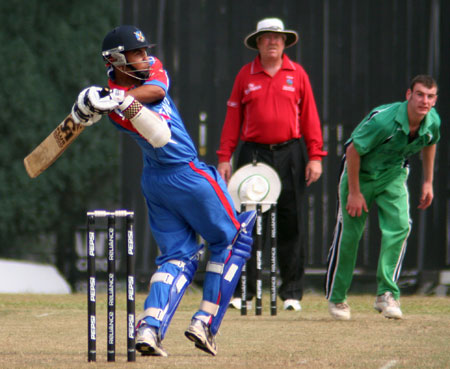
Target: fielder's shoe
[148, 342]
[388, 306]
[339, 311]
[199, 333]
[291, 304]
[236, 303]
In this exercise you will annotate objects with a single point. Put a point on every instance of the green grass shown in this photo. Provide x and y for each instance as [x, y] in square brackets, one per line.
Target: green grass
[41, 331]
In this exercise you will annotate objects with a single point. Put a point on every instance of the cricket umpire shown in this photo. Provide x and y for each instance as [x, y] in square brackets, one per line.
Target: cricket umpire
[273, 111]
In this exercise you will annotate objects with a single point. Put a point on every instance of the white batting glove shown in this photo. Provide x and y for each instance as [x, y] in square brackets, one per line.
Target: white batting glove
[102, 100]
[81, 113]
[117, 95]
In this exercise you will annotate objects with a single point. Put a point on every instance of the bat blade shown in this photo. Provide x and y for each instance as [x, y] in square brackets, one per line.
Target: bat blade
[46, 153]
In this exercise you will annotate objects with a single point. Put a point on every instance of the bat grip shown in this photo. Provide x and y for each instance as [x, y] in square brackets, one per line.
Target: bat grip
[104, 92]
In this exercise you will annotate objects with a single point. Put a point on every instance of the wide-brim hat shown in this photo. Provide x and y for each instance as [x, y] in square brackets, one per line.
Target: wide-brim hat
[254, 184]
[271, 25]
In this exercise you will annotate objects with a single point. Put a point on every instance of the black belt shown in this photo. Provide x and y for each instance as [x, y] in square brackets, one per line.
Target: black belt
[271, 147]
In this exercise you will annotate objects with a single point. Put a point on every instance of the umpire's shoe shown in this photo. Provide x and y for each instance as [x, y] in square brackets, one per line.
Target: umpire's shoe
[201, 335]
[148, 342]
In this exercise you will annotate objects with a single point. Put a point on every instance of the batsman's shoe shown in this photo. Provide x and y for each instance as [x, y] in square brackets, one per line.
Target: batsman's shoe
[388, 306]
[291, 304]
[339, 311]
[148, 342]
[199, 333]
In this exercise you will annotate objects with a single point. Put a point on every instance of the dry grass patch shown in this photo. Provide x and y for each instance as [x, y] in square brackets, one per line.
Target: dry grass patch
[40, 331]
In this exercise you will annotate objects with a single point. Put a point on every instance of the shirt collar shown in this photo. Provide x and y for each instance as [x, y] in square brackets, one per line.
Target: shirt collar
[425, 124]
[112, 84]
[257, 67]
[402, 119]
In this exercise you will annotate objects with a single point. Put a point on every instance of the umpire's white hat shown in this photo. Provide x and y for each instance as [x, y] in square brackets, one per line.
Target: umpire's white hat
[271, 25]
[254, 183]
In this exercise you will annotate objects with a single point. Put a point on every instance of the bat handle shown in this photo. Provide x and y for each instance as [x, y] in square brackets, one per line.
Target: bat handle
[104, 92]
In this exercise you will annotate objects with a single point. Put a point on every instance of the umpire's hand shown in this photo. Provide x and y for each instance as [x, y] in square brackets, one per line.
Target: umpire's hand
[224, 170]
[313, 171]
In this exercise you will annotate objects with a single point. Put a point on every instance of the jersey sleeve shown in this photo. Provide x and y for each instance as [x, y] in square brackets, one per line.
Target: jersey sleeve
[229, 138]
[369, 133]
[309, 119]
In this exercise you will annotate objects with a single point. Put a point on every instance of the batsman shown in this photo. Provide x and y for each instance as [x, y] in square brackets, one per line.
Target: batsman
[184, 196]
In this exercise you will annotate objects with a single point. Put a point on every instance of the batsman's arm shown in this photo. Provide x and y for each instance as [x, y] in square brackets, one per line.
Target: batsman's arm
[149, 124]
[147, 94]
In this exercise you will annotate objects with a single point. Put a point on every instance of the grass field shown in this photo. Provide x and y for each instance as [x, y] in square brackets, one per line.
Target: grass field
[41, 331]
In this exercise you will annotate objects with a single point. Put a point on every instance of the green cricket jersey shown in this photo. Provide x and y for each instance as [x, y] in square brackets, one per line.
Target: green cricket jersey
[382, 138]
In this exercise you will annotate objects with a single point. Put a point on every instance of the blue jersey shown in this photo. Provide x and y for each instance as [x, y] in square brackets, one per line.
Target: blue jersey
[181, 149]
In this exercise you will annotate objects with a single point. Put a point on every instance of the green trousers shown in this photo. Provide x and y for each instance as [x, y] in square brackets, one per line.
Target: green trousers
[390, 194]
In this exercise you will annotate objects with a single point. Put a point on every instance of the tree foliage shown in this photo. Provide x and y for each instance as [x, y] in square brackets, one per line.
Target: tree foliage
[52, 50]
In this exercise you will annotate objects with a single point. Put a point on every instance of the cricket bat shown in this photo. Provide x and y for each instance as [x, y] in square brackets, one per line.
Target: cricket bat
[46, 153]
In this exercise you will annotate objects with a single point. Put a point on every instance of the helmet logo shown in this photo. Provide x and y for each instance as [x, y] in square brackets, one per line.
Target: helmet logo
[139, 36]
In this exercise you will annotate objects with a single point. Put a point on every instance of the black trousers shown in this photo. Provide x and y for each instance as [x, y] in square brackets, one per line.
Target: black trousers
[289, 161]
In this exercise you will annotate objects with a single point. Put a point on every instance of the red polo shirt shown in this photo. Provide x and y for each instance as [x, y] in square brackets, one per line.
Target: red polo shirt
[271, 110]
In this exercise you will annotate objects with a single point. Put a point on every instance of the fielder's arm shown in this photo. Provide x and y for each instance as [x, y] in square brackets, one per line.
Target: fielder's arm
[356, 202]
[428, 155]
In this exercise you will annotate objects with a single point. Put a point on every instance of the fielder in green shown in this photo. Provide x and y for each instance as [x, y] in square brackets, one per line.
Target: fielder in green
[375, 170]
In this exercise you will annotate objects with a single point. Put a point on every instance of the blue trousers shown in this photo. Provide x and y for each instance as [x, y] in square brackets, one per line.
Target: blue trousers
[182, 202]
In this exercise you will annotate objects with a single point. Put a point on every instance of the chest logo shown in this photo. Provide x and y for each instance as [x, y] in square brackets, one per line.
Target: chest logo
[252, 87]
[289, 86]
